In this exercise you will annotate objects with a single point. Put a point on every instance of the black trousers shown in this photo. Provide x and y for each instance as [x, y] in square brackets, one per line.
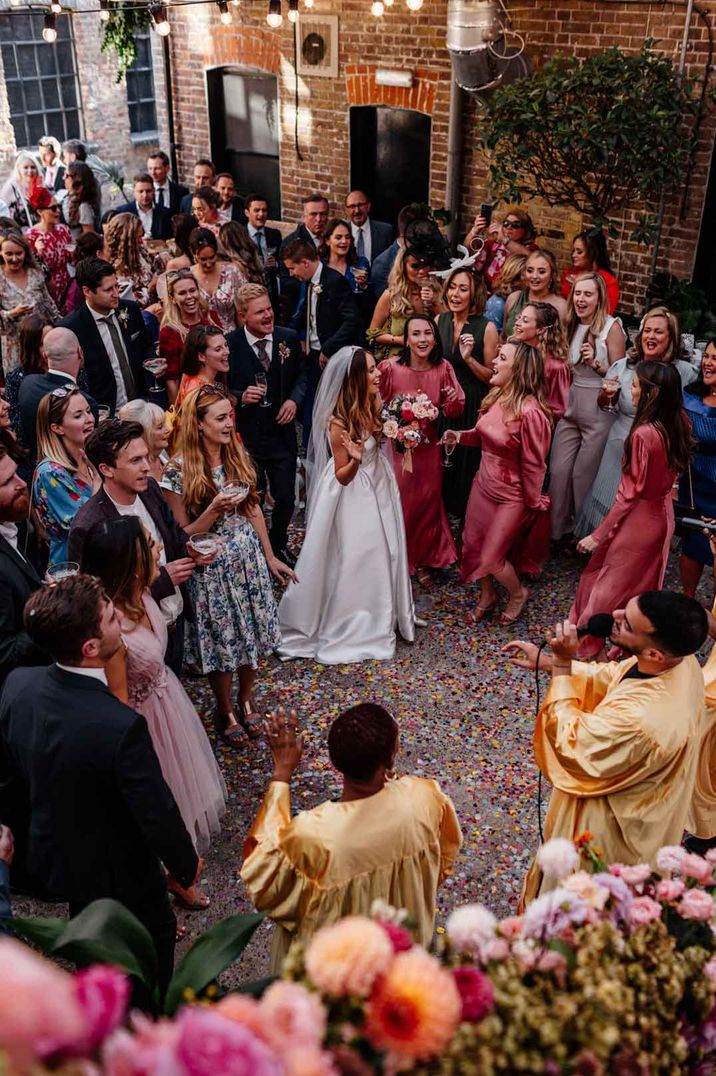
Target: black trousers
[314, 375]
[278, 464]
[174, 653]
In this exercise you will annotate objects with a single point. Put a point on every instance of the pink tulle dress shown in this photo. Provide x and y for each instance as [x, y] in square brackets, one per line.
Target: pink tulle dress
[179, 739]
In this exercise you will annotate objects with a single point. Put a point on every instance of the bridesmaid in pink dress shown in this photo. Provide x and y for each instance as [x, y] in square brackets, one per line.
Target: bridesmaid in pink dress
[421, 368]
[122, 554]
[630, 547]
[514, 431]
[539, 325]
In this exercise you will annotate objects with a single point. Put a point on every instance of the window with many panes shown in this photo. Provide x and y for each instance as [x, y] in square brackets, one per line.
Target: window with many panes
[140, 88]
[41, 79]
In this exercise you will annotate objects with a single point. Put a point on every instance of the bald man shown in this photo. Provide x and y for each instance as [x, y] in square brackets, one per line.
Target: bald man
[64, 365]
[371, 237]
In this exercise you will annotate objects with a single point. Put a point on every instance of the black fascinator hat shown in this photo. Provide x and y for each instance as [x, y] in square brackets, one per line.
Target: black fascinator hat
[424, 240]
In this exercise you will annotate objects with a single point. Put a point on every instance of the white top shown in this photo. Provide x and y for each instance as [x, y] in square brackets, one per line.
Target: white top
[81, 670]
[588, 375]
[367, 240]
[8, 531]
[109, 348]
[314, 344]
[172, 605]
[146, 218]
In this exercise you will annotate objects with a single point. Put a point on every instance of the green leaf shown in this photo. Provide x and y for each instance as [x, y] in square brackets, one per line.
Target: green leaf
[106, 932]
[210, 954]
[40, 932]
[257, 988]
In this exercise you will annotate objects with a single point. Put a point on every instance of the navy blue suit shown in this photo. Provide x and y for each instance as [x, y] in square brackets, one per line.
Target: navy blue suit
[161, 219]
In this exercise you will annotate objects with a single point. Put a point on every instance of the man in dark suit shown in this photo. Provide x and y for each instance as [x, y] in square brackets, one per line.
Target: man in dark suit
[102, 819]
[327, 315]
[204, 176]
[371, 237]
[267, 241]
[315, 218]
[268, 432]
[167, 193]
[231, 205]
[156, 221]
[114, 339]
[64, 367]
[119, 454]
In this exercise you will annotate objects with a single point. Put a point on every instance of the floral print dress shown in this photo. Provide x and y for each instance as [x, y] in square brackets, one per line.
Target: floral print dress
[222, 302]
[57, 247]
[34, 295]
[236, 617]
[58, 495]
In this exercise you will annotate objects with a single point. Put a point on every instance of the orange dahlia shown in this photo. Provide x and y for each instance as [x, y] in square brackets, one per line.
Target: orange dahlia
[415, 1007]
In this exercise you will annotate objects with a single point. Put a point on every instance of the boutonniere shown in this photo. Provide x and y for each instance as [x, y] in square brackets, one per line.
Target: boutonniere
[123, 316]
[284, 352]
[317, 289]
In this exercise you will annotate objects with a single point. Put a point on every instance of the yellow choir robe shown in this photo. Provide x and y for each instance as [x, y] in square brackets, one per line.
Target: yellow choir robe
[335, 860]
[621, 756]
[703, 818]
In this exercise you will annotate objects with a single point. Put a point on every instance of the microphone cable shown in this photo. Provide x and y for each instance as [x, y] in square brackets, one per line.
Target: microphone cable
[539, 777]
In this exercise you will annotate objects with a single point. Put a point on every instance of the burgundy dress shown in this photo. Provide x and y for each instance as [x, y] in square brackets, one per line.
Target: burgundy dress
[430, 542]
[633, 538]
[506, 497]
[558, 379]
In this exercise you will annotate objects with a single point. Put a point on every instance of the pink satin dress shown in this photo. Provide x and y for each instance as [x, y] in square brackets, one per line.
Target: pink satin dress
[558, 379]
[634, 537]
[506, 498]
[430, 541]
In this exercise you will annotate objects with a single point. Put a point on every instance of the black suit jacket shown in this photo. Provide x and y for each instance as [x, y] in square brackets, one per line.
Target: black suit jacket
[291, 288]
[237, 206]
[100, 508]
[161, 219]
[338, 319]
[102, 817]
[137, 341]
[59, 184]
[32, 388]
[18, 580]
[177, 192]
[244, 365]
[381, 236]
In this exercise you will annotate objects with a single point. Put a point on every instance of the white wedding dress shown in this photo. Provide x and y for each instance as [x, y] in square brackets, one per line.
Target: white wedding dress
[354, 586]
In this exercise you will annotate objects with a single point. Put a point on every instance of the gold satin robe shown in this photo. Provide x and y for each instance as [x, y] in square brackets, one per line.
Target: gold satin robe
[333, 861]
[703, 818]
[622, 757]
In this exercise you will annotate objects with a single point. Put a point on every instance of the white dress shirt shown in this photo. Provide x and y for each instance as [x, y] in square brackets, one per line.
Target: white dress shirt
[367, 241]
[51, 174]
[146, 218]
[314, 344]
[253, 341]
[62, 373]
[263, 246]
[82, 670]
[104, 332]
[8, 531]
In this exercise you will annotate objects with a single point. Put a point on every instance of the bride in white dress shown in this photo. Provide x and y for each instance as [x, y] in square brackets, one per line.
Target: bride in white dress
[353, 587]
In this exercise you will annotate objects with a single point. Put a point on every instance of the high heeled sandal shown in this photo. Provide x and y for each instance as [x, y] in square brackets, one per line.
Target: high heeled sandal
[188, 899]
[228, 730]
[481, 612]
[506, 617]
[251, 720]
[424, 577]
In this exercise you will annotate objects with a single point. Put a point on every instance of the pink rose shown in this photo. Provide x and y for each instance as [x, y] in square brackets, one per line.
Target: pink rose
[103, 994]
[697, 867]
[669, 857]
[400, 938]
[511, 927]
[476, 993]
[293, 1016]
[695, 904]
[209, 1044]
[497, 949]
[669, 889]
[406, 412]
[308, 1061]
[150, 1050]
[633, 875]
[643, 910]
[711, 855]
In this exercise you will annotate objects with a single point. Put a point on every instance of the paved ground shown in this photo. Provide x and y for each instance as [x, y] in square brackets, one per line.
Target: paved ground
[466, 718]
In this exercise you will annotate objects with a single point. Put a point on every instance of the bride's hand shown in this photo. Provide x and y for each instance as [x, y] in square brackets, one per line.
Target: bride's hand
[281, 571]
[353, 448]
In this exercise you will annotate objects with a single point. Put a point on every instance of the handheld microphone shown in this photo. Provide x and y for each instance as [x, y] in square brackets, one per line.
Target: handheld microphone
[600, 626]
[697, 524]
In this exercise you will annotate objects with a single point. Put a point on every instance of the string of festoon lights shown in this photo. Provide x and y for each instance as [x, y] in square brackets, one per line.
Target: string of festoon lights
[159, 12]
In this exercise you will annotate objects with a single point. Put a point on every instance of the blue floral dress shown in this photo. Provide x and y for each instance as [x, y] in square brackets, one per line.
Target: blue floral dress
[236, 617]
[58, 495]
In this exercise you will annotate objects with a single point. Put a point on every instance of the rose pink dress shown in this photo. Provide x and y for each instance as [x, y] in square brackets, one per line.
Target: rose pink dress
[633, 538]
[558, 379]
[506, 498]
[179, 739]
[430, 542]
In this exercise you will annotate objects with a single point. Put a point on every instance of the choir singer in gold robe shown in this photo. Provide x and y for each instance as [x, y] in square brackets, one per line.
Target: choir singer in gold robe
[619, 742]
[385, 838]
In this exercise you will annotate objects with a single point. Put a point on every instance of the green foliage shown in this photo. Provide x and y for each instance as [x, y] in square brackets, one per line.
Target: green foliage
[105, 932]
[686, 300]
[119, 31]
[599, 134]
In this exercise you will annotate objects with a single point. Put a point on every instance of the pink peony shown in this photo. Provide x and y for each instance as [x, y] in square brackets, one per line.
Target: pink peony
[711, 855]
[592, 893]
[103, 994]
[633, 875]
[470, 928]
[244, 1010]
[669, 857]
[150, 1051]
[476, 994]
[695, 904]
[347, 957]
[400, 938]
[497, 950]
[551, 914]
[557, 858]
[643, 910]
[669, 889]
[307, 1061]
[209, 1044]
[39, 1011]
[693, 866]
[511, 927]
[294, 1016]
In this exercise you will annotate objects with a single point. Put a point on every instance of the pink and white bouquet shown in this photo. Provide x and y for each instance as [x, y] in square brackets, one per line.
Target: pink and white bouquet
[406, 419]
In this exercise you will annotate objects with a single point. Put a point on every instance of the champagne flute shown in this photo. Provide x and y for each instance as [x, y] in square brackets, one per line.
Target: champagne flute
[611, 387]
[262, 382]
[448, 447]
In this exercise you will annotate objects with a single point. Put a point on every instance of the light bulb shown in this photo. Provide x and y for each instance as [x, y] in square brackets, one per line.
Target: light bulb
[414, 5]
[49, 32]
[161, 22]
[293, 10]
[388, 3]
[274, 17]
[104, 10]
[55, 7]
[377, 8]
[224, 13]
[236, 3]
[14, 3]
[308, 4]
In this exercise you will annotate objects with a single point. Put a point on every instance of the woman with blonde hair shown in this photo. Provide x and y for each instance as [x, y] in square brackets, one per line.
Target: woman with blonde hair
[64, 479]
[126, 252]
[514, 430]
[508, 280]
[183, 309]
[210, 486]
[18, 190]
[540, 282]
[411, 290]
[339, 611]
[658, 340]
[152, 419]
[539, 326]
[237, 247]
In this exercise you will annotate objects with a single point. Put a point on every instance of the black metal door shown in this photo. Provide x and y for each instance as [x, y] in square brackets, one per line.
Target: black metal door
[243, 124]
[390, 157]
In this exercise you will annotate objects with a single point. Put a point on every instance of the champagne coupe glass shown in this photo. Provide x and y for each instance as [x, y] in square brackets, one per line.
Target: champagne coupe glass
[610, 385]
[63, 570]
[206, 543]
[239, 491]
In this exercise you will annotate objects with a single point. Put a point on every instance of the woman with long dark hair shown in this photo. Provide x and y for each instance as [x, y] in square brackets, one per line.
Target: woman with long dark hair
[204, 361]
[32, 361]
[514, 430]
[22, 291]
[238, 248]
[590, 255]
[81, 207]
[354, 585]
[421, 368]
[697, 490]
[630, 547]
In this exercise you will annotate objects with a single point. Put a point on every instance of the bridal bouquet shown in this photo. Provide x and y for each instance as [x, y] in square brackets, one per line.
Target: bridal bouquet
[405, 422]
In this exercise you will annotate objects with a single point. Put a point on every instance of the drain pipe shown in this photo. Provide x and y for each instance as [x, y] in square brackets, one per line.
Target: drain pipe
[454, 159]
[171, 129]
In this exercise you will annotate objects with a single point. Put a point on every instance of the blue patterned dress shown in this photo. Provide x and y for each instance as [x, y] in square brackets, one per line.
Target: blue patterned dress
[703, 475]
[236, 617]
[58, 495]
